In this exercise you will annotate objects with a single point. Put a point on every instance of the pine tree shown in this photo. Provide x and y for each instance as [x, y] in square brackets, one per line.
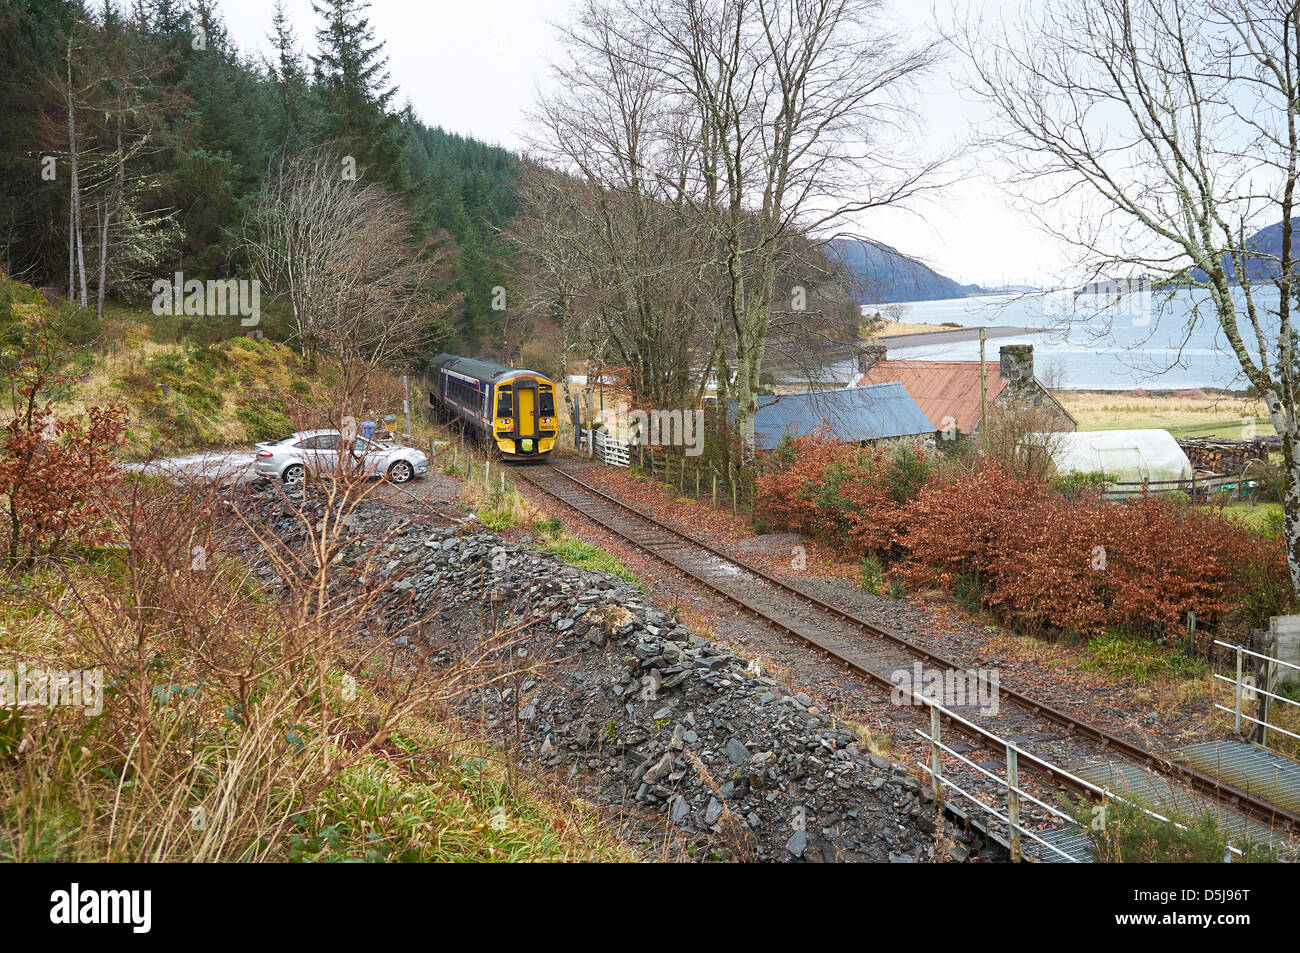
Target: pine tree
[352, 86]
[287, 68]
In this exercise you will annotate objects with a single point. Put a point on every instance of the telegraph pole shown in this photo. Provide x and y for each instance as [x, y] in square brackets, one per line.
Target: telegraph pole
[984, 395]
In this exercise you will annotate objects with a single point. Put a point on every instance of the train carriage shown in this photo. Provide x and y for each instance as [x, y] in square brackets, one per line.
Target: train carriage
[512, 408]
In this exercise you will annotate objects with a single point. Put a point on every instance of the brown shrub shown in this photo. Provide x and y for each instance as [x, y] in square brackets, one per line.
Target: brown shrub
[1040, 560]
[55, 474]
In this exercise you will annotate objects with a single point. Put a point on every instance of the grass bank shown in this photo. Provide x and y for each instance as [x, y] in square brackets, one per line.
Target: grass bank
[501, 507]
[187, 383]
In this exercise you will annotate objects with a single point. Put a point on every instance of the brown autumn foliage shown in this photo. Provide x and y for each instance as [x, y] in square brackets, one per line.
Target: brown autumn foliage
[1038, 559]
[55, 473]
[852, 497]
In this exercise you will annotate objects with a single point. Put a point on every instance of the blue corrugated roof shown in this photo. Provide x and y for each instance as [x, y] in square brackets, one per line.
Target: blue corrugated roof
[873, 412]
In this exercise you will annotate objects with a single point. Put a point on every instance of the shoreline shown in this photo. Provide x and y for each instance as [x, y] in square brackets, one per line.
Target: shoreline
[951, 336]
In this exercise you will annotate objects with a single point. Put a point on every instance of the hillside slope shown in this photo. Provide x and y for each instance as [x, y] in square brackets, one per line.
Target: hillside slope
[186, 386]
[1265, 252]
[881, 273]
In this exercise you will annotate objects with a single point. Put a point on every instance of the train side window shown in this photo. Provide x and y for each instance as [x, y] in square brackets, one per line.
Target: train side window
[505, 402]
[548, 403]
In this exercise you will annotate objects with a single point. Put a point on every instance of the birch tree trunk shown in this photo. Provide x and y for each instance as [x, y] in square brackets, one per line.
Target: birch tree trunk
[1178, 121]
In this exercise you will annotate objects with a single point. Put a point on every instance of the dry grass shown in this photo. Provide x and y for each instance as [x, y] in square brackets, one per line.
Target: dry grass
[890, 329]
[181, 396]
[253, 721]
[1214, 415]
[876, 741]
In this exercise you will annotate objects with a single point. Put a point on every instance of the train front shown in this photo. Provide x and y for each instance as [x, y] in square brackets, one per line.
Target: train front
[525, 425]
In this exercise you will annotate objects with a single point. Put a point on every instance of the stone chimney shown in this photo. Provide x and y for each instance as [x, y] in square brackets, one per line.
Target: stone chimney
[868, 355]
[1016, 363]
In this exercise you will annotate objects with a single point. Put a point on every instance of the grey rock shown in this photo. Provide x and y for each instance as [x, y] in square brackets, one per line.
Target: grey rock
[713, 811]
[797, 843]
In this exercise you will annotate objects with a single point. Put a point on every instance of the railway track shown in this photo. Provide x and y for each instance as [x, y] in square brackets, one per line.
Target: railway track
[876, 653]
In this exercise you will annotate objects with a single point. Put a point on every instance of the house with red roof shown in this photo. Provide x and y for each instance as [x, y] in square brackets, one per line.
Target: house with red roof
[948, 392]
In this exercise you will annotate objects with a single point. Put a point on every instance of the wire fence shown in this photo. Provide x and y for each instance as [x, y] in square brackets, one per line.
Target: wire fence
[1205, 489]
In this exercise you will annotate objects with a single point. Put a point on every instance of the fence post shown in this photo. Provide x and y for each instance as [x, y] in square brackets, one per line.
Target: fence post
[936, 766]
[454, 448]
[1013, 803]
[715, 489]
[469, 466]
[1237, 690]
[733, 500]
[1191, 633]
[697, 483]
[1268, 673]
[487, 473]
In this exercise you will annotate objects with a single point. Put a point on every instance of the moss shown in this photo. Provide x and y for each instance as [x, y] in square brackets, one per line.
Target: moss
[263, 422]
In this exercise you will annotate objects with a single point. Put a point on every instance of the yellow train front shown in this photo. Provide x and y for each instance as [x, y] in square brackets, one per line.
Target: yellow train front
[511, 407]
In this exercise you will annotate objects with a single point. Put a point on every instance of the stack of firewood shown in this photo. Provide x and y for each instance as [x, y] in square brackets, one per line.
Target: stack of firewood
[1223, 456]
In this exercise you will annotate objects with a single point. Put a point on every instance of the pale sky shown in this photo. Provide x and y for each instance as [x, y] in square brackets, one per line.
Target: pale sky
[475, 67]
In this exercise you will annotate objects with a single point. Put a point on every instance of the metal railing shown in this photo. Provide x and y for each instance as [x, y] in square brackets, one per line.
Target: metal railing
[1016, 829]
[1246, 689]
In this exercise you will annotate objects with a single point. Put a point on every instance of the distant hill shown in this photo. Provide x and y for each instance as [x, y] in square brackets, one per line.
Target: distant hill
[1265, 251]
[880, 273]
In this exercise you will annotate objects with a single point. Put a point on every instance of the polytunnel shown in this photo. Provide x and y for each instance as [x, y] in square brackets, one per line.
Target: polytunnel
[1125, 456]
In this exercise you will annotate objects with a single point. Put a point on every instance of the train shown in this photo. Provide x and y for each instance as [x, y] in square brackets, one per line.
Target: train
[511, 408]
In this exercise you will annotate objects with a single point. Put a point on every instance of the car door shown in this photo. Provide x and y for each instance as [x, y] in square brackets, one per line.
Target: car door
[369, 455]
[527, 415]
[321, 453]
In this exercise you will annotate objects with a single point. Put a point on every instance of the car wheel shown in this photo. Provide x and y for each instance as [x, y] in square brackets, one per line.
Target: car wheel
[292, 477]
[401, 472]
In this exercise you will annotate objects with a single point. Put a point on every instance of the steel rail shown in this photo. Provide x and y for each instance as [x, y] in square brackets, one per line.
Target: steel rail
[1241, 801]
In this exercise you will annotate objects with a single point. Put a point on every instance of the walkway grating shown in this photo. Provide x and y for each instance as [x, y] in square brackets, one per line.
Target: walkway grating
[1262, 773]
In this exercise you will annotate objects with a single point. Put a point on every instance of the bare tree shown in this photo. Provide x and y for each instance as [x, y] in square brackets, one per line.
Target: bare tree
[343, 255]
[72, 88]
[1167, 130]
[611, 225]
[773, 117]
[105, 127]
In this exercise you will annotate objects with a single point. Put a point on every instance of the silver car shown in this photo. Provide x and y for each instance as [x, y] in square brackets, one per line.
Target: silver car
[317, 451]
